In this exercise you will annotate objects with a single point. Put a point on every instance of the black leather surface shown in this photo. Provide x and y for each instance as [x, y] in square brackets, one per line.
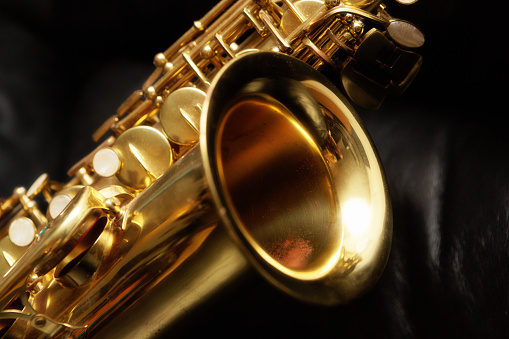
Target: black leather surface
[65, 67]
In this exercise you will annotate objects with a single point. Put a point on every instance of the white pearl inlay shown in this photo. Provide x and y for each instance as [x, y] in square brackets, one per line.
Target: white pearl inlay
[22, 231]
[106, 162]
[57, 204]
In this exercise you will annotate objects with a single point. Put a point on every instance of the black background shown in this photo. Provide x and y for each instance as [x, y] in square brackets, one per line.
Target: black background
[65, 66]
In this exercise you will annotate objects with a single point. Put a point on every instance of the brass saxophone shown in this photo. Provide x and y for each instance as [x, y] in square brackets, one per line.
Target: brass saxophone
[237, 155]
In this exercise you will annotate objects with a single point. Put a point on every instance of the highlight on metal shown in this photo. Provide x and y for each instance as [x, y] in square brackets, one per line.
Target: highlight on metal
[238, 155]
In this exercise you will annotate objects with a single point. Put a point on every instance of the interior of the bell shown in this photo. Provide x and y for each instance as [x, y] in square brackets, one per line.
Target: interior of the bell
[278, 186]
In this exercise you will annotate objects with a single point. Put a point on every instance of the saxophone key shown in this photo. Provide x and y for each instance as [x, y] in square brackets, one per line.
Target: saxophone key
[106, 162]
[405, 34]
[61, 200]
[145, 154]
[180, 115]
[22, 231]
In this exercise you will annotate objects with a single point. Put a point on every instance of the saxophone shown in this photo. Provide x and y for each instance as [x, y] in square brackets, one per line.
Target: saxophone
[237, 155]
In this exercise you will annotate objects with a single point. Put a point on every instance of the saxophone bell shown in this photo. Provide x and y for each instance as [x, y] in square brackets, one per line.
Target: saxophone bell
[284, 179]
[309, 247]
[236, 158]
[266, 195]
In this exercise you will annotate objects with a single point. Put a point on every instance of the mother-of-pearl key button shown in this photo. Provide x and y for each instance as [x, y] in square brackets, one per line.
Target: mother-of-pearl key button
[38, 185]
[106, 162]
[405, 34]
[22, 231]
[58, 204]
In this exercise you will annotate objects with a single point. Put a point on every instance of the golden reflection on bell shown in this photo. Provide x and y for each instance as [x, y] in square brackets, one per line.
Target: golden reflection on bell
[299, 241]
[323, 234]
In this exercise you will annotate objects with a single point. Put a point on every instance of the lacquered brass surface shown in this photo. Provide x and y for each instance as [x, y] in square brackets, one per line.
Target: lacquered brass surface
[327, 243]
[180, 115]
[236, 158]
[145, 154]
[300, 238]
[264, 190]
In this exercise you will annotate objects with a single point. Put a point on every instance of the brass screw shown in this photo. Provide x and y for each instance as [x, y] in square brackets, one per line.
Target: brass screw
[39, 321]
